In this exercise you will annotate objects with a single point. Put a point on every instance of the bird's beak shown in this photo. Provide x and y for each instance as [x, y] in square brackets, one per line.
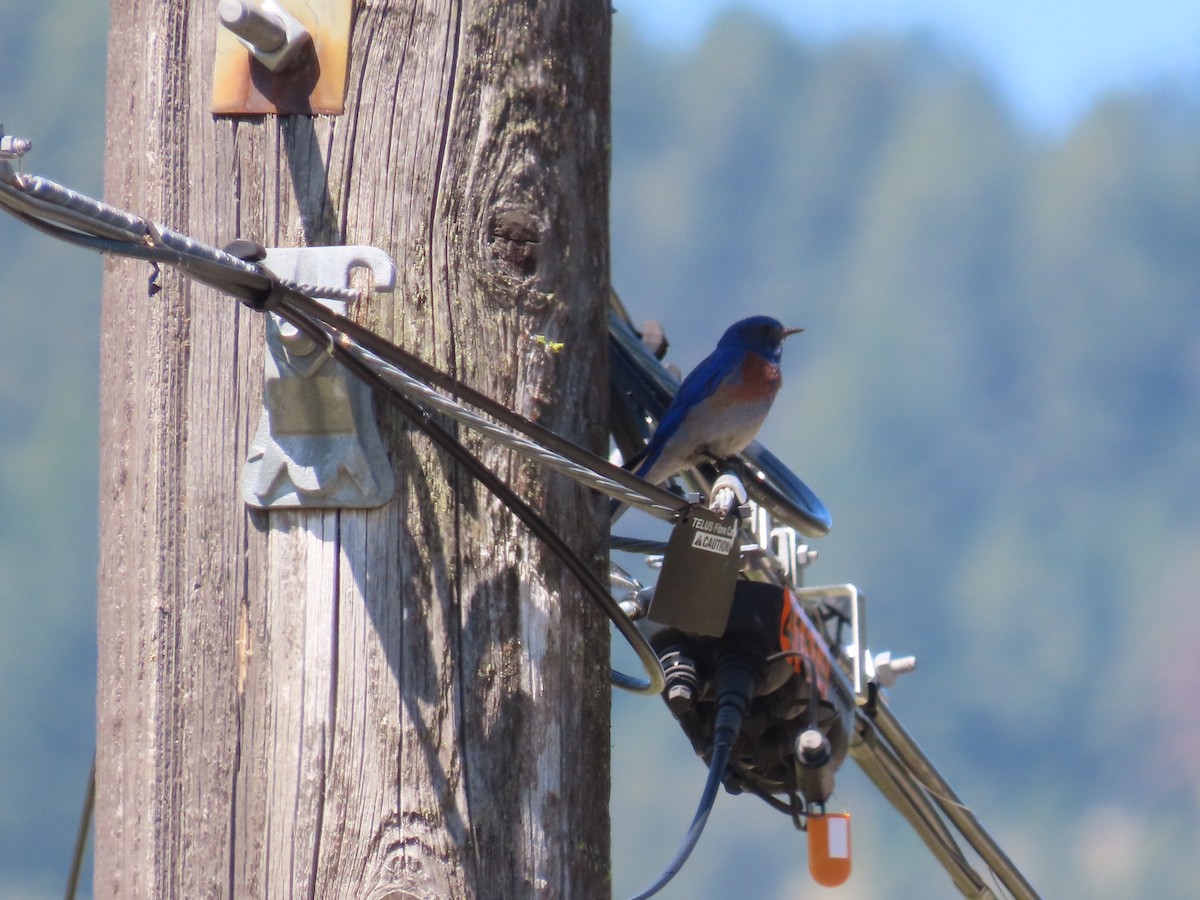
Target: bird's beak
[788, 332]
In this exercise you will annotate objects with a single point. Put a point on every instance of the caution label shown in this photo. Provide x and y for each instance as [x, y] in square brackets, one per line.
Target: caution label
[715, 537]
[699, 572]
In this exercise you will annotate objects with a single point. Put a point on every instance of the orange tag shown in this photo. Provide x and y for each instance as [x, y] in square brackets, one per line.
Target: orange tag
[829, 848]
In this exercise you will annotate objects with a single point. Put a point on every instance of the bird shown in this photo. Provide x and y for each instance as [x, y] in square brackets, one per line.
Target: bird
[722, 403]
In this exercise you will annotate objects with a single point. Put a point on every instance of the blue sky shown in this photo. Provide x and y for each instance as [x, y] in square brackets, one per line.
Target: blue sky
[1050, 58]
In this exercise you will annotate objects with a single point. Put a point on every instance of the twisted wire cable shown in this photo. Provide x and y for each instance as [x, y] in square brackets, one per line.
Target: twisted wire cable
[81, 220]
[109, 226]
[532, 451]
[655, 499]
[655, 681]
[104, 227]
[78, 219]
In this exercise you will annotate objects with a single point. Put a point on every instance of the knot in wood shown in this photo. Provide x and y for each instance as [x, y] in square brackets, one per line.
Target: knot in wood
[514, 238]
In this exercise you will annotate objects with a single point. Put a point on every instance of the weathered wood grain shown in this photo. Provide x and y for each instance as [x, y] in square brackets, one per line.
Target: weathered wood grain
[405, 702]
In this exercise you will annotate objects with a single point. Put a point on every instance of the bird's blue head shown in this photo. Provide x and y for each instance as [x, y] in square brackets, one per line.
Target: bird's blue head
[761, 334]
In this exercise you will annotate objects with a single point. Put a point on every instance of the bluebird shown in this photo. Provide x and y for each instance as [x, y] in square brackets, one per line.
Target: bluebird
[723, 402]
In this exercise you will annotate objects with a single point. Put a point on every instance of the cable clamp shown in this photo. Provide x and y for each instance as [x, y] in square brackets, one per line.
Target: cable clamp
[317, 444]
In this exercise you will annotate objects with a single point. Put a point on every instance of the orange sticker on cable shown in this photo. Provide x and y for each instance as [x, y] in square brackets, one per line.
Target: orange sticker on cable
[797, 634]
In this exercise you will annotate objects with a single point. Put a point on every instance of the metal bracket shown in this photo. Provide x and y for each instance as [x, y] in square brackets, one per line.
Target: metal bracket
[699, 574]
[849, 607]
[317, 444]
[281, 56]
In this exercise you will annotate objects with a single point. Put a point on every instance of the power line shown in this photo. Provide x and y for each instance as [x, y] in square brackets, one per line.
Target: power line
[883, 748]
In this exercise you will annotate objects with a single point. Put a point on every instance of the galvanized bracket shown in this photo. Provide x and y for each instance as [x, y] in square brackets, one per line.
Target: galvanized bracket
[288, 57]
[847, 608]
[317, 444]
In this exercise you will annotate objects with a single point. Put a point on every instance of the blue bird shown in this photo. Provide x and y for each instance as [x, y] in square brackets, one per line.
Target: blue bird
[723, 402]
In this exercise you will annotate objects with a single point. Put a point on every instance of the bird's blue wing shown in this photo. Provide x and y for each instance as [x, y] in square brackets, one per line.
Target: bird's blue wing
[700, 384]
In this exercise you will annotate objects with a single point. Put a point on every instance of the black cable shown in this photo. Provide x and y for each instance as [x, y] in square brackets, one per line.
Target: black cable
[88, 241]
[260, 290]
[792, 809]
[716, 771]
[736, 678]
[263, 291]
[418, 368]
[105, 229]
[814, 689]
[147, 242]
[85, 823]
[248, 288]
[17, 194]
[637, 545]
[591, 583]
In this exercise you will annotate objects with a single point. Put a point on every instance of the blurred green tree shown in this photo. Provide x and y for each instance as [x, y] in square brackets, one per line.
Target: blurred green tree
[998, 396]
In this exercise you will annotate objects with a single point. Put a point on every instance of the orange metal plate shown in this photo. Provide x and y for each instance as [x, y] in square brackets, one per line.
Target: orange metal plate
[244, 86]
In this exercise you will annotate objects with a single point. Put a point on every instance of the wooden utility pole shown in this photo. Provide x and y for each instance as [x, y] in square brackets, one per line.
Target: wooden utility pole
[404, 702]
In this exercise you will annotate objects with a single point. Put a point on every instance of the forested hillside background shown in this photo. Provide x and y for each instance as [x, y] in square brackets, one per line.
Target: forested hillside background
[997, 395]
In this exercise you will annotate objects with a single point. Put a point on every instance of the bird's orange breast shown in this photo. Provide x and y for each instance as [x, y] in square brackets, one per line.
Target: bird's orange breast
[760, 380]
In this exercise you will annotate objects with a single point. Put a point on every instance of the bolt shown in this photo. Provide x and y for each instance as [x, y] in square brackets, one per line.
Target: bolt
[633, 607]
[889, 668]
[682, 680]
[249, 21]
[13, 147]
[813, 748]
[682, 692]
